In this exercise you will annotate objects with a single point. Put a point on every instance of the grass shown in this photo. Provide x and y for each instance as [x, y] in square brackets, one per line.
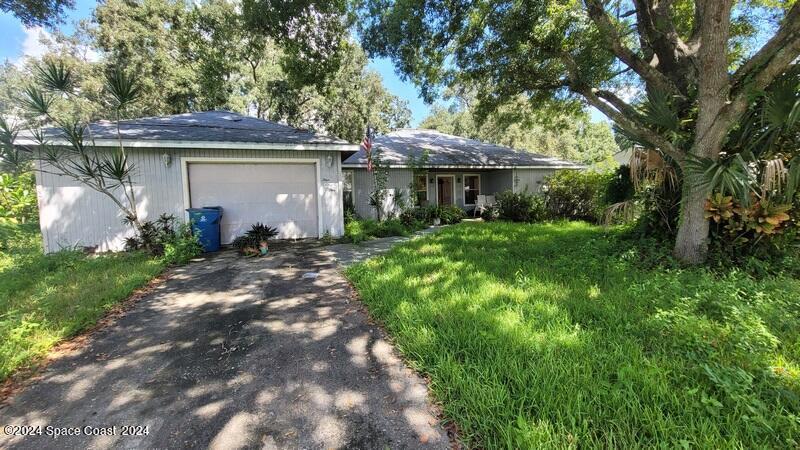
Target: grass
[558, 336]
[360, 230]
[47, 298]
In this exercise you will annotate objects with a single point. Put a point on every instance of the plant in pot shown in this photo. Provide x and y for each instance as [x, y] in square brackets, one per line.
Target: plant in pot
[246, 245]
[436, 216]
[260, 234]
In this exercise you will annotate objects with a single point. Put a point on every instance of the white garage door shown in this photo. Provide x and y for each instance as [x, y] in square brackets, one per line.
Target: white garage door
[276, 194]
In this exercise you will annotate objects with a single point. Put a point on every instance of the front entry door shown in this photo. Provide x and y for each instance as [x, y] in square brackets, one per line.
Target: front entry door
[445, 190]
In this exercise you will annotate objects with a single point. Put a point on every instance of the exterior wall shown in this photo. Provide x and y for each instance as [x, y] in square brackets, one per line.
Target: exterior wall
[72, 214]
[530, 180]
[492, 182]
[364, 183]
[497, 181]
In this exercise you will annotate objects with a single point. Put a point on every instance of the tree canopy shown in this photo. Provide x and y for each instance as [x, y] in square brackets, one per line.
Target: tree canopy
[37, 12]
[567, 135]
[194, 57]
[693, 67]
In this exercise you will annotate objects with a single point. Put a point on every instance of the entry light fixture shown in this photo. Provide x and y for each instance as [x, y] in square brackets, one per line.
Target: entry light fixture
[166, 158]
[329, 161]
[458, 179]
[432, 180]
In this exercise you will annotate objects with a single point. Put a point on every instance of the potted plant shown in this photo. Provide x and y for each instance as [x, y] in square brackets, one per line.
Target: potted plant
[436, 216]
[246, 245]
[260, 234]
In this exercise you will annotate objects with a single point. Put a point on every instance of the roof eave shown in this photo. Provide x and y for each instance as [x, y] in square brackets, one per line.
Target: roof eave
[154, 143]
[461, 166]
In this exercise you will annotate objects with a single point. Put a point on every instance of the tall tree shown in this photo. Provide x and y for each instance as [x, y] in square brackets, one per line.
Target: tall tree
[37, 12]
[686, 57]
[566, 135]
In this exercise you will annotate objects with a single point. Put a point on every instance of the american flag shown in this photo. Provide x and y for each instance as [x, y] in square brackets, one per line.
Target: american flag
[366, 144]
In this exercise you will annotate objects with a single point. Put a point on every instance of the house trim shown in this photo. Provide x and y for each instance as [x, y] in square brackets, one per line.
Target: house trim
[404, 166]
[185, 161]
[464, 186]
[453, 186]
[224, 145]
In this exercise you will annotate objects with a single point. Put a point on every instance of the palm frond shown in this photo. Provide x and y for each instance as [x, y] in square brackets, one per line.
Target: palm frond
[624, 211]
[35, 100]
[74, 132]
[123, 87]
[731, 176]
[116, 167]
[658, 111]
[56, 77]
[792, 180]
[773, 176]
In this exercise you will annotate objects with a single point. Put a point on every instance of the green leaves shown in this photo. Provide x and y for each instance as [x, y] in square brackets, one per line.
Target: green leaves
[56, 77]
[731, 176]
[124, 87]
[36, 100]
[117, 168]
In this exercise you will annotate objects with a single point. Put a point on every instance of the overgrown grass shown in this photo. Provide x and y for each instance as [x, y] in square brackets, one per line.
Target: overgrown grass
[556, 335]
[44, 299]
[360, 230]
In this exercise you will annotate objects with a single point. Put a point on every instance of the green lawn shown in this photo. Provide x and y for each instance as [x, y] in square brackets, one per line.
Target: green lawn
[44, 299]
[538, 336]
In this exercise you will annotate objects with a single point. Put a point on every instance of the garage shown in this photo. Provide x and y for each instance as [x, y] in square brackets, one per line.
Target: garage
[281, 194]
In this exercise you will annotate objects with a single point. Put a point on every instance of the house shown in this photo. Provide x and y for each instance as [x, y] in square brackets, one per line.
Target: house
[258, 171]
[261, 171]
[443, 170]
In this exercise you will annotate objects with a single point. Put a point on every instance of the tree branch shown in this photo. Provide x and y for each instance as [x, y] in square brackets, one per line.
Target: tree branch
[774, 52]
[617, 110]
[649, 73]
[758, 72]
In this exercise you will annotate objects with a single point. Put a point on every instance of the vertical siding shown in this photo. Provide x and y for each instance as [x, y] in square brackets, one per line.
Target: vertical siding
[530, 180]
[72, 214]
[497, 181]
[364, 183]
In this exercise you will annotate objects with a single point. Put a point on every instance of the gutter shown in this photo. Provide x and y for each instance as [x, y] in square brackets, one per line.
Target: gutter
[202, 144]
[405, 166]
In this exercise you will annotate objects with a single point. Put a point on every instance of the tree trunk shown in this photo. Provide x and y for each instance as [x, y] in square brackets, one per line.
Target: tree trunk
[691, 244]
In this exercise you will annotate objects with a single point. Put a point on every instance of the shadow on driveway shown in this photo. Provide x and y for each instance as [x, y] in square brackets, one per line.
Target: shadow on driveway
[232, 353]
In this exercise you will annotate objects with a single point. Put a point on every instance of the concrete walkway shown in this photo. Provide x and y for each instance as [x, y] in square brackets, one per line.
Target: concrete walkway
[348, 254]
[235, 352]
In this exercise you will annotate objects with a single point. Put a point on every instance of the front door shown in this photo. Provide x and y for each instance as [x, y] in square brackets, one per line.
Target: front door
[445, 190]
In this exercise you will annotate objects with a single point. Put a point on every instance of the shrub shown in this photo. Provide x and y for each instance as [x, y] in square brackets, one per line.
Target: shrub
[248, 244]
[490, 213]
[418, 216]
[181, 246]
[18, 198]
[619, 187]
[521, 207]
[450, 214]
[761, 237]
[577, 195]
[166, 238]
[355, 230]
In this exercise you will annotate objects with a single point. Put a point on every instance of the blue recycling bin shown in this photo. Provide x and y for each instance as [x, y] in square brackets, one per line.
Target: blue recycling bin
[205, 225]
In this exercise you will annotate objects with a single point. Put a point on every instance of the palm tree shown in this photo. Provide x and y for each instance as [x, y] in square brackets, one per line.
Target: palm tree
[105, 171]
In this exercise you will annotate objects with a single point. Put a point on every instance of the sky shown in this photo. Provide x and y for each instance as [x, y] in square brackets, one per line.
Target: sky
[18, 42]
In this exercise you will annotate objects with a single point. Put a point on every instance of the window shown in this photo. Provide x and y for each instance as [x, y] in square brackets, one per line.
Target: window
[347, 190]
[472, 187]
[421, 189]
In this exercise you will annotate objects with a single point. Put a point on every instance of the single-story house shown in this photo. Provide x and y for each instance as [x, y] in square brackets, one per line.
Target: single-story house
[443, 170]
[258, 171]
[261, 171]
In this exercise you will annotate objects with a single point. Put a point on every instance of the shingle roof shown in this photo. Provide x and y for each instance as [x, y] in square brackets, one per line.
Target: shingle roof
[209, 126]
[445, 150]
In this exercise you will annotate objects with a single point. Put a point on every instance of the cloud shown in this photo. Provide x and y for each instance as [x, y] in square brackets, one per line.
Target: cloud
[32, 46]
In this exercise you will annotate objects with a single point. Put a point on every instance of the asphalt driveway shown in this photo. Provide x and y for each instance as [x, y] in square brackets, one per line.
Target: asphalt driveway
[234, 353]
